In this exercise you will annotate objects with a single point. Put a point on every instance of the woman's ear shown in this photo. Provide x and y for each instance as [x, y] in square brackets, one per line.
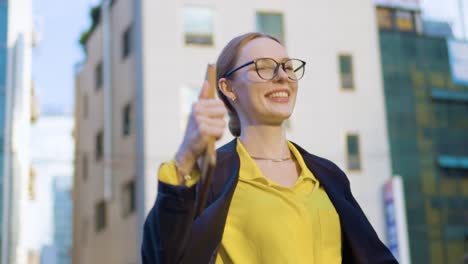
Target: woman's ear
[226, 88]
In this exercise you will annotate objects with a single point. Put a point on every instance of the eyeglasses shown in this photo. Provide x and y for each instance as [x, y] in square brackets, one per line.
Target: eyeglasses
[267, 68]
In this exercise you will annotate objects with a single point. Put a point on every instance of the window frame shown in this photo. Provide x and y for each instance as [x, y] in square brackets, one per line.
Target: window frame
[128, 209]
[100, 224]
[347, 152]
[184, 32]
[98, 76]
[99, 145]
[353, 72]
[282, 39]
[127, 128]
[411, 19]
[127, 41]
[392, 17]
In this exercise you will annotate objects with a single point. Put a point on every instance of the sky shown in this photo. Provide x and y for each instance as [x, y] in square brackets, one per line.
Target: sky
[60, 24]
[447, 10]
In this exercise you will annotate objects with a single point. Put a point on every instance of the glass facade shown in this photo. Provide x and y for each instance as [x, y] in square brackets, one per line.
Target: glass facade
[62, 219]
[427, 117]
[399, 20]
[3, 69]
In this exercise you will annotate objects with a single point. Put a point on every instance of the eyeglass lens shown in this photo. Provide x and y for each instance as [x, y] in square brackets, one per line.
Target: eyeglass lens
[268, 68]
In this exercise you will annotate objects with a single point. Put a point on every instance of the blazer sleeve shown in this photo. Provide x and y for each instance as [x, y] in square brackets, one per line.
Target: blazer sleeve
[376, 251]
[168, 225]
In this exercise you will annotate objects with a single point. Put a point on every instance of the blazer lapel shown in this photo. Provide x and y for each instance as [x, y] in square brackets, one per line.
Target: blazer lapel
[208, 228]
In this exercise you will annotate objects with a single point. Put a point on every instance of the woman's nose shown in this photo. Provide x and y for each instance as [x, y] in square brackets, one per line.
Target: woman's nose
[281, 74]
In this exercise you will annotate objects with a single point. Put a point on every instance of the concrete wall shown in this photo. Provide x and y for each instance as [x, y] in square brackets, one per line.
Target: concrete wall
[116, 243]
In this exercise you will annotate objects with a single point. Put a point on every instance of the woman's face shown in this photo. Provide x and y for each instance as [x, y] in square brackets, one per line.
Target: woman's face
[259, 101]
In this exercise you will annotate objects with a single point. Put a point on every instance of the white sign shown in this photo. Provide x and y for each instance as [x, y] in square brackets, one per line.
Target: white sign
[458, 58]
[403, 4]
[395, 219]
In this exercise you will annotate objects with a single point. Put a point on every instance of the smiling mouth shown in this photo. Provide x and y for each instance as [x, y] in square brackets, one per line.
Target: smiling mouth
[278, 95]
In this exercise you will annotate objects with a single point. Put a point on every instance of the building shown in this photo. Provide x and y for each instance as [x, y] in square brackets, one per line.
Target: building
[63, 219]
[52, 164]
[427, 127]
[33, 257]
[3, 71]
[49, 255]
[145, 63]
[437, 28]
[16, 41]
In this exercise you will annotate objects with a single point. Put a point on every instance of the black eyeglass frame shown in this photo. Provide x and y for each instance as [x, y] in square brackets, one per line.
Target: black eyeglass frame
[283, 66]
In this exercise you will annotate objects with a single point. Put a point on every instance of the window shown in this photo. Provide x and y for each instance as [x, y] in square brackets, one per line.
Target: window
[346, 71]
[271, 23]
[385, 18]
[99, 148]
[198, 26]
[404, 21]
[98, 76]
[85, 167]
[189, 95]
[127, 42]
[353, 152]
[85, 106]
[399, 20]
[128, 198]
[100, 216]
[127, 120]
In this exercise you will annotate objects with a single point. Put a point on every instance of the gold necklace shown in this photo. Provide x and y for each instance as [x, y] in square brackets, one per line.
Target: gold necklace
[274, 160]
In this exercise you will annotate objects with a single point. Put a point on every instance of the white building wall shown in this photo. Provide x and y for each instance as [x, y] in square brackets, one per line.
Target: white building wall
[117, 242]
[315, 31]
[18, 98]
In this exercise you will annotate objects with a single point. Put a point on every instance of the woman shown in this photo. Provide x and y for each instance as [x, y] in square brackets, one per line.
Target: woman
[270, 201]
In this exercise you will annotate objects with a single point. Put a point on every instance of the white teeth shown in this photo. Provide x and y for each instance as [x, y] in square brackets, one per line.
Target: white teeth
[279, 94]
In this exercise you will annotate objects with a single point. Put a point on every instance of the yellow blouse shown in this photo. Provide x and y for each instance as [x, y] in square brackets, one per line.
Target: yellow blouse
[269, 223]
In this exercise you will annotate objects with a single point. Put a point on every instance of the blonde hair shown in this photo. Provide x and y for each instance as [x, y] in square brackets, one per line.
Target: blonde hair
[227, 59]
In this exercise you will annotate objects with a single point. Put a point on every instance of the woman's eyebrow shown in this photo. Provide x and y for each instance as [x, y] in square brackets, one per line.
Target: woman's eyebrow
[283, 59]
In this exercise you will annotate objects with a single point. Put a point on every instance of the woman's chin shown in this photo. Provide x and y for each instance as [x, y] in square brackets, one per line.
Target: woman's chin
[278, 119]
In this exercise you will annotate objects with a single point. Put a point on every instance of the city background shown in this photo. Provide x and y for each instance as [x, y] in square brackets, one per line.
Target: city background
[94, 96]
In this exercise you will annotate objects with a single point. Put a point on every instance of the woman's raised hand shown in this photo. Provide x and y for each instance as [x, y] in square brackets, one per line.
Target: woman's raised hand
[206, 121]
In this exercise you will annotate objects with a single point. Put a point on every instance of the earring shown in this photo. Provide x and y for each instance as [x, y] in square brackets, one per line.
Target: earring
[233, 99]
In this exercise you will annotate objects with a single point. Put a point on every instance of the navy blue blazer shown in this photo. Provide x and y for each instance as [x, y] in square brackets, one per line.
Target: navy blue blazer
[172, 234]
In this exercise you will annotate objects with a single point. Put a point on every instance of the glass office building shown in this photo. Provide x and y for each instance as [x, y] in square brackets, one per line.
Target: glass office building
[62, 219]
[427, 117]
[3, 72]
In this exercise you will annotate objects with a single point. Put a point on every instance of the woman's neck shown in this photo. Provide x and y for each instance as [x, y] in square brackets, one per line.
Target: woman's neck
[265, 141]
